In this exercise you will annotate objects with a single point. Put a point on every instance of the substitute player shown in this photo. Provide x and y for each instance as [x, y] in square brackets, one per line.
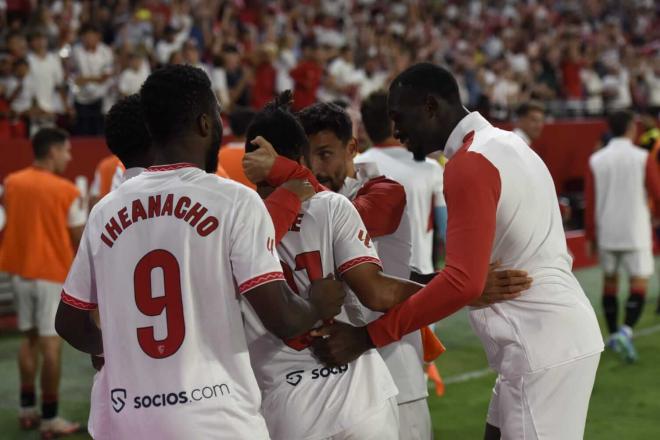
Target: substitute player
[45, 219]
[620, 180]
[167, 258]
[544, 345]
[421, 177]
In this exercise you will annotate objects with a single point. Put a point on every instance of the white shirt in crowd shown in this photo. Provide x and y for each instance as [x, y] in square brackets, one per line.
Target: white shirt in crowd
[131, 80]
[593, 86]
[219, 84]
[48, 76]
[92, 64]
[618, 84]
[302, 398]
[23, 101]
[423, 184]
[179, 240]
[622, 215]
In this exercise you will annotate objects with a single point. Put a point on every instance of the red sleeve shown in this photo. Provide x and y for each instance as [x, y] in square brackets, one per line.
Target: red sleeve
[283, 207]
[653, 180]
[286, 169]
[472, 192]
[381, 203]
[589, 205]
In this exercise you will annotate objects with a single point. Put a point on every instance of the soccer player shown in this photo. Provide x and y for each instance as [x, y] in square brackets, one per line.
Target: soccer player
[618, 184]
[421, 177]
[108, 170]
[231, 154]
[167, 258]
[544, 345]
[45, 219]
[333, 242]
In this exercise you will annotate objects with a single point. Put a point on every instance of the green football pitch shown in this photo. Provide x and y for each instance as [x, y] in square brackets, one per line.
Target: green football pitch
[625, 403]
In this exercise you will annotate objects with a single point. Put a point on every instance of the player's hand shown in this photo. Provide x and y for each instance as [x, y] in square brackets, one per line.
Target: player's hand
[257, 164]
[502, 285]
[339, 343]
[327, 297]
[302, 188]
[97, 362]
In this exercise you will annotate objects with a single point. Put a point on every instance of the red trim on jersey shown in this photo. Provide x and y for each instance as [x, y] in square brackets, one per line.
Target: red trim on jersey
[170, 167]
[77, 303]
[258, 281]
[285, 169]
[472, 189]
[381, 203]
[350, 264]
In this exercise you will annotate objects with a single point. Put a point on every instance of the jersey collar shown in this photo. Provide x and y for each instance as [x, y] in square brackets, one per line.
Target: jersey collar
[471, 122]
[171, 166]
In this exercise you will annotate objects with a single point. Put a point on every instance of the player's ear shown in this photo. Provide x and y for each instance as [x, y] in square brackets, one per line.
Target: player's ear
[352, 148]
[204, 125]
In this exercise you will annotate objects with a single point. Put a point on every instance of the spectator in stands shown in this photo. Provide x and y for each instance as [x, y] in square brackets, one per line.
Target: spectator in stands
[48, 79]
[306, 76]
[21, 94]
[93, 64]
[530, 118]
[38, 246]
[17, 45]
[131, 79]
[239, 77]
[191, 55]
[265, 76]
[219, 83]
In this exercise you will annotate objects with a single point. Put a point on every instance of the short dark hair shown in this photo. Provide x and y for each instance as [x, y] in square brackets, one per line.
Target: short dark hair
[326, 116]
[376, 121]
[280, 127]
[239, 120]
[172, 99]
[529, 106]
[46, 138]
[429, 78]
[125, 132]
[619, 122]
[89, 27]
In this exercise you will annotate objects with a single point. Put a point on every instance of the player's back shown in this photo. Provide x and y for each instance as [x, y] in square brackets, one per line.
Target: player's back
[164, 246]
[529, 235]
[623, 219]
[422, 181]
[303, 399]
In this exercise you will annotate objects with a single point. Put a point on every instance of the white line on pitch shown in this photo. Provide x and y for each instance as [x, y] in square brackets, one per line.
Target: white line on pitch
[476, 374]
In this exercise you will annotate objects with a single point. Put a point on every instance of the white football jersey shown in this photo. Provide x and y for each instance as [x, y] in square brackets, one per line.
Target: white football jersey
[403, 358]
[166, 257]
[423, 184]
[303, 399]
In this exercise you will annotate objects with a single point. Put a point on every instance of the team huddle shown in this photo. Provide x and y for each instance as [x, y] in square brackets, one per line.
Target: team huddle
[215, 311]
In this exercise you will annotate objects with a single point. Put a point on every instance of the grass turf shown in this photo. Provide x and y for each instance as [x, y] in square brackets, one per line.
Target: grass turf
[625, 403]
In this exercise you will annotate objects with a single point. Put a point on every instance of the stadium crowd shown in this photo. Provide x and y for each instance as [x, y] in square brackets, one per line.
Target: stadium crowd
[66, 61]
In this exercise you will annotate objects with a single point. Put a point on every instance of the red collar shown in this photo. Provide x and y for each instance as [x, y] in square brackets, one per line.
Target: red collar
[172, 166]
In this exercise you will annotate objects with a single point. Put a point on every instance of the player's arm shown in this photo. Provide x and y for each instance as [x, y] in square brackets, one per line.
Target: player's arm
[284, 205]
[381, 203]
[77, 327]
[472, 194]
[286, 314]
[590, 211]
[73, 321]
[76, 218]
[652, 180]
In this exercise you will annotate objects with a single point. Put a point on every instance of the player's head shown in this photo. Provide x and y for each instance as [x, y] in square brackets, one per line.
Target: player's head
[530, 118]
[279, 126]
[425, 106]
[182, 115]
[332, 147]
[126, 134]
[375, 119]
[52, 148]
[239, 121]
[622, 123]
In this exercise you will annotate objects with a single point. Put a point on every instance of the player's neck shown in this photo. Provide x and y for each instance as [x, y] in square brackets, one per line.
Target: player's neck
[166, 155]
[44, 164]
